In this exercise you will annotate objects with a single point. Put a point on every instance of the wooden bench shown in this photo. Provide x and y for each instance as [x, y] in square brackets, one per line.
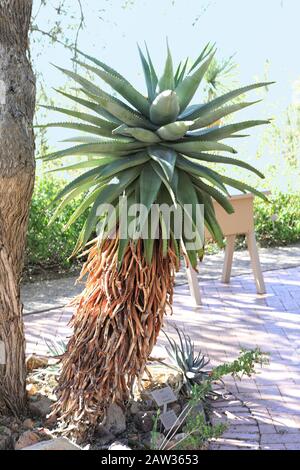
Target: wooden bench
[241, 222]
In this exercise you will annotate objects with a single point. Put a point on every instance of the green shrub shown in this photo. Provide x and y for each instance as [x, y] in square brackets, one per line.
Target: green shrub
[50, 246]
[278, 223]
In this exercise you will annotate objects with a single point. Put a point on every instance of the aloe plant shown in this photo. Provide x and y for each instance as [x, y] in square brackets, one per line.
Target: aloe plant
[190, 364]
[153, 149]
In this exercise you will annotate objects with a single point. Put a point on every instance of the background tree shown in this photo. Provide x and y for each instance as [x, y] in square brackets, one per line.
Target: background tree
[17, 170]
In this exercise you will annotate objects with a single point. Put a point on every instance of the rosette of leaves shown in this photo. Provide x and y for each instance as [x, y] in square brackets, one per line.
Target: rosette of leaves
[191, 365]
[157, 146]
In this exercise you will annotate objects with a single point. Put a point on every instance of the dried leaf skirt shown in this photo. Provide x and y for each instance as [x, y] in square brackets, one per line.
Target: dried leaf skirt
[116, 322]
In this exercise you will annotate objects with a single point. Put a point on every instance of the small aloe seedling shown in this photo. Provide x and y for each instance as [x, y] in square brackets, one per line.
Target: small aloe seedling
[187, 361]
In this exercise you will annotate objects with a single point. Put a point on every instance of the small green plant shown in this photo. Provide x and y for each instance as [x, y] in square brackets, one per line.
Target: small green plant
[190, 364]
[243, 365]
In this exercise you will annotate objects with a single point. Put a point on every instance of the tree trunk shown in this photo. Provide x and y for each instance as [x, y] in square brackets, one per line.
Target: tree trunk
[17, 169]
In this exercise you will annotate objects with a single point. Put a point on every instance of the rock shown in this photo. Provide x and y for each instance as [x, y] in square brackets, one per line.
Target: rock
[41, 407]
[28, 438]
[55, 444]
[51, 421]
[118, 446]
[155, 443]
[103, 436]
[36, 362]
[28, 423]
[144, 421]
[6, 440]
[176, 407]
[115, 422]
[135, 408]
[161, 375]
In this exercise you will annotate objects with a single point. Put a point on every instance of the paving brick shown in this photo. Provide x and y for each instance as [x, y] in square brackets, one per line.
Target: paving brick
[280, 439]
[241, 436]
[267, 428]
[231, 422]
[239, 443]
[225, 404]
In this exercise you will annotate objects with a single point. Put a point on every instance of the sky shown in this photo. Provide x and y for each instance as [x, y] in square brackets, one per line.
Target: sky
[263, 35]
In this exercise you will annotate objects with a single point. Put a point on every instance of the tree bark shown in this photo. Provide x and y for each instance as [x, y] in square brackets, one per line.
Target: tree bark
[17, 170]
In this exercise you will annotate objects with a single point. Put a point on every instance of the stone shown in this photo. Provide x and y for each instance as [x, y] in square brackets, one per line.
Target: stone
[36, 362]
[28, 438]
[61, 443]
[144, 421]
[155, 443]
[41, 407]
[135, 408]
[50, 421]
[176, 407]
[6, 441]
[115, 421]
[161, 375]
[28, 424]
[118, 446]
[103, 437]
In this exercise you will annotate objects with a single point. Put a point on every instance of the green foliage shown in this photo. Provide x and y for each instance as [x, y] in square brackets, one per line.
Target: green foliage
[278, 223]
[50, 246]
[243, 365]
[198, 432]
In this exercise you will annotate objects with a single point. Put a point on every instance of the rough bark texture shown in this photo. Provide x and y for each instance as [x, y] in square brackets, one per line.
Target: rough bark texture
[17, 168]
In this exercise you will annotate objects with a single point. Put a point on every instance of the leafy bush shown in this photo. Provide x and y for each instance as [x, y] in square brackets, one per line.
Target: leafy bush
[50, 246]
[278, 223]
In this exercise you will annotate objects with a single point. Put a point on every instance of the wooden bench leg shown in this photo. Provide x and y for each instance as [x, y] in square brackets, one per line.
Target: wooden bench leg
[256, 267]
[194, 286]
[230, 240]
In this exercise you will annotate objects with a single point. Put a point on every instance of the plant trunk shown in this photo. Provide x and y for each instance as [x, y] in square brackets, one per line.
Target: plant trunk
[17, 169]
[116, 323]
